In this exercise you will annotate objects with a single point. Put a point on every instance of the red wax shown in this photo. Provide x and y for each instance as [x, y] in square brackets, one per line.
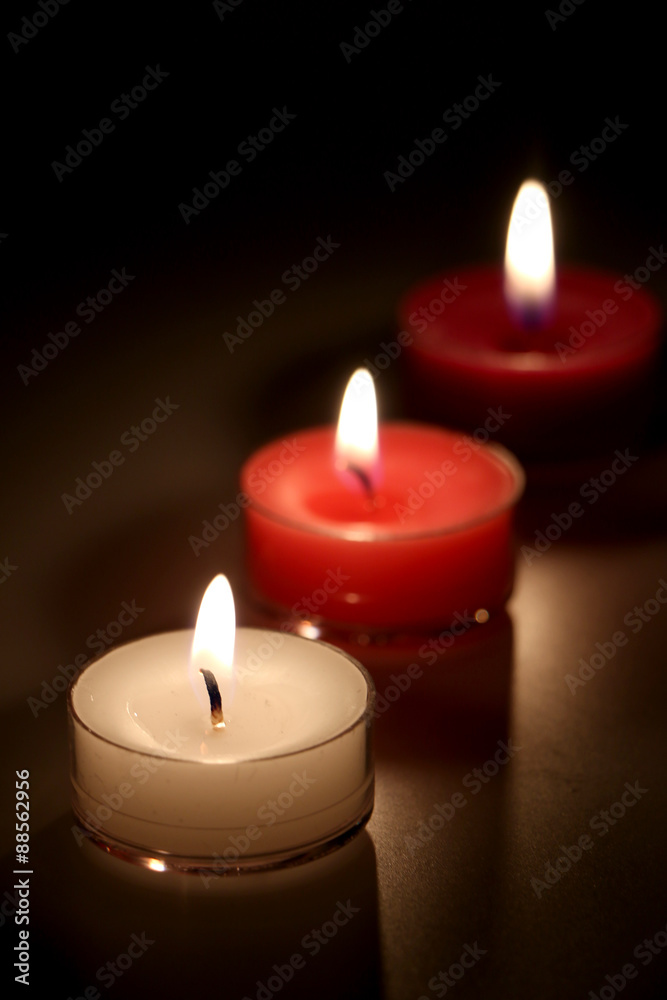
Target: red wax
[436, 538]
[574, 386]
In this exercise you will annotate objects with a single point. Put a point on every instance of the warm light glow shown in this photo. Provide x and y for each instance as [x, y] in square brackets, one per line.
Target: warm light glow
[213, 643]
[308, 630]
[530, 272]
[357, 453]
[155, 865]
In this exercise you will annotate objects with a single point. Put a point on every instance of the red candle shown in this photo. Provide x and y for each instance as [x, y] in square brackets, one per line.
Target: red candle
[567, 357]
[401, 536]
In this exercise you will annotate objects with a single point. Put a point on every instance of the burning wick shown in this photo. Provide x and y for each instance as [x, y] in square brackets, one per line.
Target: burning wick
[217, 718]
[533, 316]
[356, 444]
[363, 478]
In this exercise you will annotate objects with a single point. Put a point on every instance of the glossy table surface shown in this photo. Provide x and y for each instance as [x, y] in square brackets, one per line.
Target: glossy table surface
[458, 849]
[517, 844]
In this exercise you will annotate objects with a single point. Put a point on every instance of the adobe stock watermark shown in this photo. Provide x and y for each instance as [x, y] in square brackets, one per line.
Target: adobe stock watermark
[435, 479]
[268, 813]
[312, 943]
[259, 479]
[455, 117]
[6, 569]
[292, 278]
[645, 952]
[88, 310]
[364, 34]
[249, 148]
[625, 288]
[422, 317]
[304, 608]
[601, 823]
[581, 158]
[445, 979]
[132, 439]
[429, 652]
[590, 491]
[113, 970]
[221, 7]
[97, 642]
[138, 774]
[444, 812]
[635, 620]
[566, 9]
[31, 25]
[390, 351]
[121, 107]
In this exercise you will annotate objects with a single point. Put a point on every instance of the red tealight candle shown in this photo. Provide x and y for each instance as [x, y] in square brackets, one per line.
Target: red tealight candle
[396, 530]
[567, 356]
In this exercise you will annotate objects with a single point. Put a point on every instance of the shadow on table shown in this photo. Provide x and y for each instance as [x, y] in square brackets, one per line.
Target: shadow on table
[313, 928]
[621, 497]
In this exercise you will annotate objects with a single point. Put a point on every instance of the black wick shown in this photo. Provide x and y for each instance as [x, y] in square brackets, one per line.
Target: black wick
[217, 718]
[362, 477]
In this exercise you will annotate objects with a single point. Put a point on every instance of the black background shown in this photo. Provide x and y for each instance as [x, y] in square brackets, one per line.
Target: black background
[322, 176]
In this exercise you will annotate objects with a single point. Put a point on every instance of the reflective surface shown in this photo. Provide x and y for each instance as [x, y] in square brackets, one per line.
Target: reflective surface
[440, 880]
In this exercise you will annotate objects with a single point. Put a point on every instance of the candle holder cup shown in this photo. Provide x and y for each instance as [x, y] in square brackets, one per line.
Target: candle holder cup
[440, 550]
[577, 385]
[168, 800]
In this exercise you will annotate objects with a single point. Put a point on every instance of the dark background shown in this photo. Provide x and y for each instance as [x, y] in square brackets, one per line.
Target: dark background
[163, 337]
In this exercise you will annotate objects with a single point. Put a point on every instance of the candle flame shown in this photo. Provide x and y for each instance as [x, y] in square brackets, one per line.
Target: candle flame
[357, 450]
[213, 647]
[530, 271]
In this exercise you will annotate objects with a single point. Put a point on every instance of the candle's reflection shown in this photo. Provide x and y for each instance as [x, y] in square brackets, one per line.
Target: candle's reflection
[457, 706]
[444, 765]
[313, 926]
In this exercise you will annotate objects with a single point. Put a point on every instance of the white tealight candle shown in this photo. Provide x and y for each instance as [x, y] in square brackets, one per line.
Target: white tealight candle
[159, 779]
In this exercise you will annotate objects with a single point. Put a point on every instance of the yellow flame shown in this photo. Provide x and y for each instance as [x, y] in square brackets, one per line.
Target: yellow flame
[357, 433]
[215, 633]
[530, 272]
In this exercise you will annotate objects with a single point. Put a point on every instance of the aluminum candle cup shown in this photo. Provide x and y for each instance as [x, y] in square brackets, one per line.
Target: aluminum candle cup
[289, 777]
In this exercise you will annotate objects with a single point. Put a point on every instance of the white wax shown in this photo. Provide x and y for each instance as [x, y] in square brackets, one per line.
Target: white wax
[290, 770]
